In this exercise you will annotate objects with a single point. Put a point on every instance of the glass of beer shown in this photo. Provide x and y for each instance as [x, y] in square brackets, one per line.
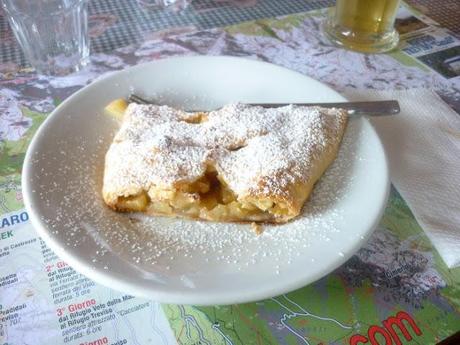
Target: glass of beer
[363, 25]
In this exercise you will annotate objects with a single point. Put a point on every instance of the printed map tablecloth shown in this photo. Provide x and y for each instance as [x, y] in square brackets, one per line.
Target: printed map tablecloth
[395, 290]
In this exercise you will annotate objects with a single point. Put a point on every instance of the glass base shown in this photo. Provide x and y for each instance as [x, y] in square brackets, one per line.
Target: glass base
[361, 42]
[60, 67]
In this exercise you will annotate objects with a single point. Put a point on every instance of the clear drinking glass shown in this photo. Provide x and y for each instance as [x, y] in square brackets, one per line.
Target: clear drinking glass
[363, 25]
[52, 33]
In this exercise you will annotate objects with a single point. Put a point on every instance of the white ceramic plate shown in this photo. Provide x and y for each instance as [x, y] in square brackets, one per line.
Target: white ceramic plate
[189, 262]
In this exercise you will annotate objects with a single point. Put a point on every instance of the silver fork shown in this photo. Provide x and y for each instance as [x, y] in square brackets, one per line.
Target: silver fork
[372, 108]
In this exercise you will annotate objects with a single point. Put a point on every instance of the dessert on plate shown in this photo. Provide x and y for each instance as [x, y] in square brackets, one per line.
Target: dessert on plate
[237, 163]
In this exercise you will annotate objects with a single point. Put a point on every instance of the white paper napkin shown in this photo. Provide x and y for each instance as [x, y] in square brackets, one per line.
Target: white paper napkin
[422, 144]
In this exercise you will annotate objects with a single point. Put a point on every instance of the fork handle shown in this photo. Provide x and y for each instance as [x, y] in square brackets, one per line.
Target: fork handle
[373, 108]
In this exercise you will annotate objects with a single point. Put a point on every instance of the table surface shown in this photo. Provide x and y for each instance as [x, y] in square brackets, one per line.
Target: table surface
[397, 280]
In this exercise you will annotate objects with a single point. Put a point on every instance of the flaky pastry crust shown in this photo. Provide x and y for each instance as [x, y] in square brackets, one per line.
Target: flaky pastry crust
[238, 163]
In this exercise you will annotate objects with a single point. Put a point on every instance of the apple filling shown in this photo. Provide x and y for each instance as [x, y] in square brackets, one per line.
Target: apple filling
[207, 198]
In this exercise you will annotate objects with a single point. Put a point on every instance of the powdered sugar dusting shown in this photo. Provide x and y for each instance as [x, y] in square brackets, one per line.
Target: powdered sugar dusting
[161, 146]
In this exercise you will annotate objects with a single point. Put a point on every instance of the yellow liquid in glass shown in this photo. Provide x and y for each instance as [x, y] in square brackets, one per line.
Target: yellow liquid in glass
[367, 16]
[364, 24]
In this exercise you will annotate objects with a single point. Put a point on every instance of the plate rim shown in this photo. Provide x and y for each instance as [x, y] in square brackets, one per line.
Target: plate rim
[193, 297]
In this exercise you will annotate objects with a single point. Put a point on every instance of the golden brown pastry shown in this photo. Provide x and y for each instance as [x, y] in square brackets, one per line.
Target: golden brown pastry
[238, 163]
